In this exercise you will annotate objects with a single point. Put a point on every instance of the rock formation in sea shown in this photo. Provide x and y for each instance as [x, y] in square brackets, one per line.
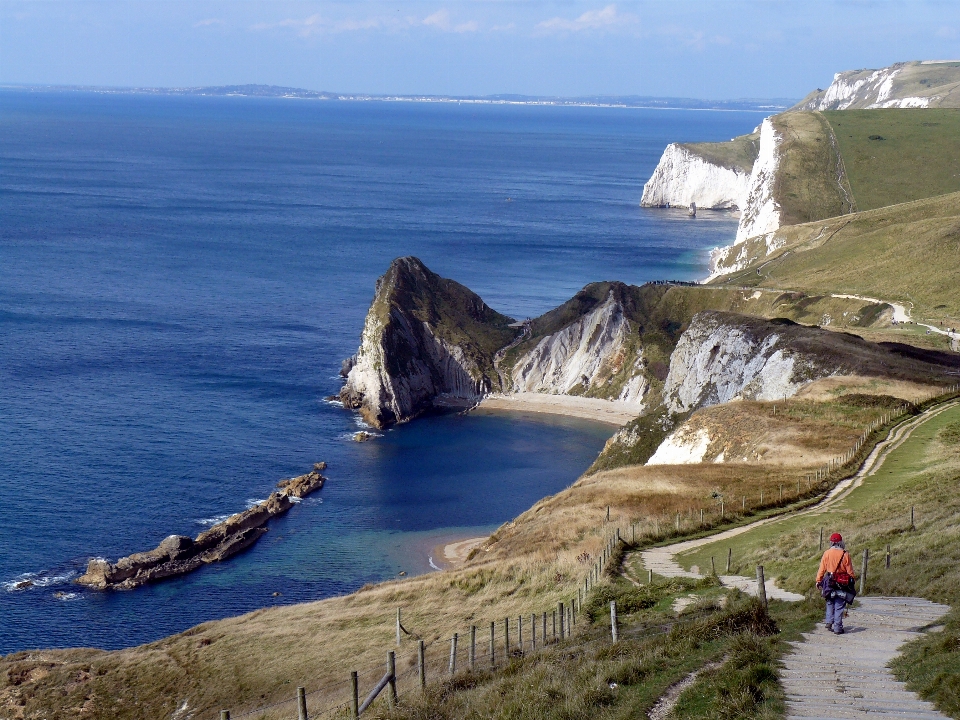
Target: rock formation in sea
[180, 554]
[424, 338]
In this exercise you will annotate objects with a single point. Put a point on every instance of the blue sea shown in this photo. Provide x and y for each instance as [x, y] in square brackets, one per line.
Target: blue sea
[180, 279]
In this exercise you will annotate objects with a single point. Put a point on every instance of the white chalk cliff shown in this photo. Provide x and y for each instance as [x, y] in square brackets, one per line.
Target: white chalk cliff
[723, 357]
[683, 446]
[683, 177]
[583, 355]
[761, 213]
[902, 85]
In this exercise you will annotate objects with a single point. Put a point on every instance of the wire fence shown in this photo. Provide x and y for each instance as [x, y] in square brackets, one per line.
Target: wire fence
[493, 643]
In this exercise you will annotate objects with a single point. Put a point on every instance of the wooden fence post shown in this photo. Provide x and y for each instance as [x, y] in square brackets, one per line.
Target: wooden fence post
[888, 557]
[355, 697]
[453, 655]
[506, 638]
[224, 715]
[472, 656]
[398, 626]
[761, 586]
[392, 670]
[863, 571]
[533, 631]
[421, 664]
[562, 616]
[729, 558]
[493, 638]
[821, 537]
[302, 703]
[554, 624]
[613, 620]
[701, 516]
[650, 577]
[912, 525]
[544, 628]
[713, 566]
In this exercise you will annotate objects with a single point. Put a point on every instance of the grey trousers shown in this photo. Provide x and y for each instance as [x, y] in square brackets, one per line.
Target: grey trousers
[835, 607]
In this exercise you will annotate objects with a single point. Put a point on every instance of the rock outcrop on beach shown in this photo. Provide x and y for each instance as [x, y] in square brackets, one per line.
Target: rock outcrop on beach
[709, 175]
[425, 340]
[917, 84]
[179, 554]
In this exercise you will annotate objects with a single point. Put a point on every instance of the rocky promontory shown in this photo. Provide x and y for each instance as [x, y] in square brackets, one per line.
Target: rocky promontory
[180, 554]
[425, 339]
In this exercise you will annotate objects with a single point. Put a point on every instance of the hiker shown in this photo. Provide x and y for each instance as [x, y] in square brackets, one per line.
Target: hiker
[835, 582]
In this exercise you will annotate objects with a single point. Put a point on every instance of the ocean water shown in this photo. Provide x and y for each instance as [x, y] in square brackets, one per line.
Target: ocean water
[180, 279]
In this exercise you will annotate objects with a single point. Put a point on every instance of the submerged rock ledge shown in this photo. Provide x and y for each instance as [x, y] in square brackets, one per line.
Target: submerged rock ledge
[179, 554]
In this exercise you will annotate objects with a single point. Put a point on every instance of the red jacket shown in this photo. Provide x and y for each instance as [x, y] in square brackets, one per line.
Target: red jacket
[833, 561]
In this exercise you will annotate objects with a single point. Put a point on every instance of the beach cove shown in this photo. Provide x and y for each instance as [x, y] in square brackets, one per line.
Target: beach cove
[180, 314]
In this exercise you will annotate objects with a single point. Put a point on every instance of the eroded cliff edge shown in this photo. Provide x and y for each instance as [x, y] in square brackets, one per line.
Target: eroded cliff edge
[424, 338]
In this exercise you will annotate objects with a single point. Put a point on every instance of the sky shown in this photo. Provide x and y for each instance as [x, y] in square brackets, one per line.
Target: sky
[709, 49]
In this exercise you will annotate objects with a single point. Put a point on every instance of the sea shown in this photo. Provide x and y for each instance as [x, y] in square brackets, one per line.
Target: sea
[180, 279]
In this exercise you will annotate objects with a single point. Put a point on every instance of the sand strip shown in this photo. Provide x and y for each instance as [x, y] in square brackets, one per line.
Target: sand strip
[605, 411]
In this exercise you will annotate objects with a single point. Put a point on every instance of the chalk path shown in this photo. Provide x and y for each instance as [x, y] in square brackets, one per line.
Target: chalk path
[837, 677]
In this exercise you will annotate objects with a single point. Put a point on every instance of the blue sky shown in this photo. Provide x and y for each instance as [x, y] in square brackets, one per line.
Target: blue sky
[693, 48]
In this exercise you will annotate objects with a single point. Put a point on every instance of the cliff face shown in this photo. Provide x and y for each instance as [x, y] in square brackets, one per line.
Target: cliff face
[761, 211]
[424, 338]
[725, 356]
[902, 85]
[584, 356]
[684, 176]
[722, 357]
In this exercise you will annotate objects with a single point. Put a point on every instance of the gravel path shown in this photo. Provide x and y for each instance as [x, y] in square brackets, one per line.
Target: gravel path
[837, 677]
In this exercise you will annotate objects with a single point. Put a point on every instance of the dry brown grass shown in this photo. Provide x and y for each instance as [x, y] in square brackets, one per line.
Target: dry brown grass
[527, 566]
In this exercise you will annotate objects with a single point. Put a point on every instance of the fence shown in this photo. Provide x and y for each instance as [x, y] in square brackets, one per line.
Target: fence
[489, 644]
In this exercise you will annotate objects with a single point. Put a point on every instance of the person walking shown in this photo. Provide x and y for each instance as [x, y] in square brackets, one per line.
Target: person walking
[835, 580]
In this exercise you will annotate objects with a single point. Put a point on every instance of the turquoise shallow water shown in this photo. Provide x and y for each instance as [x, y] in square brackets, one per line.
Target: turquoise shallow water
[180, 280]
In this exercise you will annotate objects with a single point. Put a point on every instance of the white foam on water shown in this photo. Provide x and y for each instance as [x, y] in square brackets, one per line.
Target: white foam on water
[253, 502]
[38, 580]
[430, 560]
[211, 521]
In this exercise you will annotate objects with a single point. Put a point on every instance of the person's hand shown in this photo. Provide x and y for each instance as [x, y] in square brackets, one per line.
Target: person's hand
[820, 585]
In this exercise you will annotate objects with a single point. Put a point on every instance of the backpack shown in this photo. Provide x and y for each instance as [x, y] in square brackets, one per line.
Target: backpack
[838, 581]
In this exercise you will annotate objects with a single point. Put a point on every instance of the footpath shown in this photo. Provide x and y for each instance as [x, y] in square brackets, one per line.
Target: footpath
[827, 676]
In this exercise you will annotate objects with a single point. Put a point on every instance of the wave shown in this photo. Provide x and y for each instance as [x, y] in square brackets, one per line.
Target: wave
[211, 521]
[42, 579]
[430, 560]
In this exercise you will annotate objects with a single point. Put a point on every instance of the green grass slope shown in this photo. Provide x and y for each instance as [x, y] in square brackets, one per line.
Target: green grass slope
[737, 154]
[894, 156]
[809, 184]
[907, 253]
[923, 473]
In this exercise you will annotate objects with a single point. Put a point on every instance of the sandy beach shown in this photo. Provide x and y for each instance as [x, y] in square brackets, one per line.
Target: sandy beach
[453, 554]
[606, 411]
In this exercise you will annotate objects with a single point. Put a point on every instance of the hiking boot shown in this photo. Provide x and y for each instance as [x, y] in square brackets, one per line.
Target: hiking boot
[838, 631]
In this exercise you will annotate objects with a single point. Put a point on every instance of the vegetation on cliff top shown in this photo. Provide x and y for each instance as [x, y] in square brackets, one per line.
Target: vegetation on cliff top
[896, 155]
[737, 154]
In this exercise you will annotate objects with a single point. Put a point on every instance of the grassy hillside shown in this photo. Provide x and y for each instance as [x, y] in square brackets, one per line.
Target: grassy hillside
[810, 184]
[908, 253]
[737, 154]
[894, 156]
[527, 566]
[923, 473]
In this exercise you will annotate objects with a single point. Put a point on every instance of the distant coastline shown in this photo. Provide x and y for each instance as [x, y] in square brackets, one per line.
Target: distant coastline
[290, 93]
